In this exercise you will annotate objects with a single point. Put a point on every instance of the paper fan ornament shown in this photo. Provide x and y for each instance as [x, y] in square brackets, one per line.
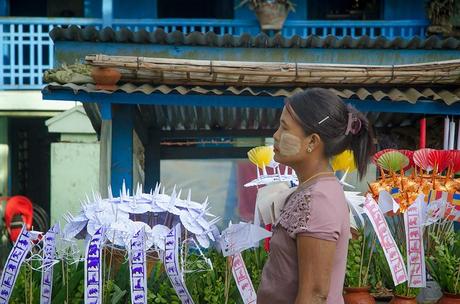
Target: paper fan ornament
[262, 156]
[455, 161]
[421, 159]
[344, 161]
[380, 153]
[410, 156]
[440, 159]
[393, 161]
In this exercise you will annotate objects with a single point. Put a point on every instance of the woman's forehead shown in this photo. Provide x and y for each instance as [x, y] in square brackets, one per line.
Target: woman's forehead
[286, 116]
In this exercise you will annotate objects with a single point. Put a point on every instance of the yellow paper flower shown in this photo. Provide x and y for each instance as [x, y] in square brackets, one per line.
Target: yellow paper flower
[261, 156]
[344, 161]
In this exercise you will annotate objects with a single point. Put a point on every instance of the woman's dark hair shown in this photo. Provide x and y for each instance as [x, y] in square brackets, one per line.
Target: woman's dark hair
[340, 126]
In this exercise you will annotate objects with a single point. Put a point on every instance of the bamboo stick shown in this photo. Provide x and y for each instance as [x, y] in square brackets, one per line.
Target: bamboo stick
[274, 73]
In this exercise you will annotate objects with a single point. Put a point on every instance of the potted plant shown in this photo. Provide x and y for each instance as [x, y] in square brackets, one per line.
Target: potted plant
[270, 13]
[360, 251]
[440, 13]
[443, 263]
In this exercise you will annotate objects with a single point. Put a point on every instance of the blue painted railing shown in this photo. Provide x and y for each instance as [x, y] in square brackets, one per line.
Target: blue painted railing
[26, 49]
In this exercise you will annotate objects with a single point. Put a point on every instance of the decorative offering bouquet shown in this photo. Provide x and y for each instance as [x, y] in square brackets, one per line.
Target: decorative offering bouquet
[419, 194]
[139, 229]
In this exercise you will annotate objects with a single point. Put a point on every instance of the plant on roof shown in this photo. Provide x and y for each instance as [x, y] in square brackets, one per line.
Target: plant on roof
[270, 13]
[440, 13]
[254, 4]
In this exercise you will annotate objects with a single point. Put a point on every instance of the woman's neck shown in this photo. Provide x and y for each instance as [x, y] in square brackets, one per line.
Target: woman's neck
[308, 170]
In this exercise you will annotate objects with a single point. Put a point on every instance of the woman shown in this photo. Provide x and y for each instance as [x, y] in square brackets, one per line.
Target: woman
[310, 238]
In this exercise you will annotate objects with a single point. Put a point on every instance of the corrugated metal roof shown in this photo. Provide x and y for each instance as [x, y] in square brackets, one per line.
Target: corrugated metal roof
[176, 118]
[410, 94]
[211, 39]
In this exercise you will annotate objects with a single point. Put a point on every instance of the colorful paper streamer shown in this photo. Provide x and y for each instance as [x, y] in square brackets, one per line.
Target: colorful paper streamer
[243, 280]
[93, 269]
[391, 250]
[13, 265]
[171, 262]
[414, 243]
[49, 252]
[138, 269]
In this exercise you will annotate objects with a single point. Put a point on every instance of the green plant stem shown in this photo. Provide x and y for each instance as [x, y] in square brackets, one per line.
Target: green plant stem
[369, 262]
[64, 281]
[227, 283]
[363, 245]
[456, 279]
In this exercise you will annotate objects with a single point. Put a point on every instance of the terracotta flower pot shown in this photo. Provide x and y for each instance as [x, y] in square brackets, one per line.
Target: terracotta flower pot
[271, 16]
[448, 298]
[105, 78]
[358, 295]
[403, 300]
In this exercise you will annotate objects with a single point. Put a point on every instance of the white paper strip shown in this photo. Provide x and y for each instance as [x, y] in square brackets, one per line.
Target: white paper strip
[414, 242]
[93, 269]
[391, 250]
[171, 262]
[242, 279]
[13, 265]
[451, 135]
[137, 268]
[49, 252]
[446, 134]
[458, 135]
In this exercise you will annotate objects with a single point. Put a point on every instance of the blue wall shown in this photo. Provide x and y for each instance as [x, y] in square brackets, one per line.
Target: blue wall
[92, 8]
[142, 9]
[407, 9]
[392, 9]
[122, 9]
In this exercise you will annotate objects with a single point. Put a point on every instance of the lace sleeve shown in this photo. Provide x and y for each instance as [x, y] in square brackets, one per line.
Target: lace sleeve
[296, 213]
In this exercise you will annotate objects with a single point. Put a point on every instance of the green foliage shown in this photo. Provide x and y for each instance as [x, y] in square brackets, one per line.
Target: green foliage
[210, 286]
[360, 252]
[444, 261]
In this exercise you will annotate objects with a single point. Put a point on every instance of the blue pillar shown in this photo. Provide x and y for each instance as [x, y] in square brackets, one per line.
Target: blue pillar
[4, 8]
[122, 147]
[152, 161]
[107, 12]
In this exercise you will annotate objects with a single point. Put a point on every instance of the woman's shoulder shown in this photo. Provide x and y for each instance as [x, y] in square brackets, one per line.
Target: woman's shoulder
[327, 189]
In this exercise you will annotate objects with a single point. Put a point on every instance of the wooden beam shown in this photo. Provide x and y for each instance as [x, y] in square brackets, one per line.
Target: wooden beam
[168, 135]
[204, 153]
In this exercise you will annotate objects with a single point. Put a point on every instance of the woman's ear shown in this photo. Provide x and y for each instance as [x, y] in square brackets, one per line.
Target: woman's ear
[313, 142]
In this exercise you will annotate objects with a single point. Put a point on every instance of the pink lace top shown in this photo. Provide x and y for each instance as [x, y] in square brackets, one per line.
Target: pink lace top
[296, 213]
[317, 209]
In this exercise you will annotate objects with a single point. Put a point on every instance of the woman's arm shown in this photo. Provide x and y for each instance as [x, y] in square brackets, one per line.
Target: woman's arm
[315, 260]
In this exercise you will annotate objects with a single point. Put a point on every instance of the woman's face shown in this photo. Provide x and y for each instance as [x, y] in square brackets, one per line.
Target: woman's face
[290, 141]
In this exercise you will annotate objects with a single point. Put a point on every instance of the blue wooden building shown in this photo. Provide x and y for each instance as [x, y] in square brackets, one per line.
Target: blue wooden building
[161, 113]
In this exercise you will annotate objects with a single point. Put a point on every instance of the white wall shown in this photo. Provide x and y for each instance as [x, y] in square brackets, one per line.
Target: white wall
[74, 173]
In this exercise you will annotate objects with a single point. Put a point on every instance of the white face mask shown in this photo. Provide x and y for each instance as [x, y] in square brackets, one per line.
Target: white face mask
[289, 144]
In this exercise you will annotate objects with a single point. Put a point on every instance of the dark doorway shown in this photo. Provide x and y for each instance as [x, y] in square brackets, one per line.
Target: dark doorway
[46, 8]
[222, 9]
[344, 10]
[30, 145]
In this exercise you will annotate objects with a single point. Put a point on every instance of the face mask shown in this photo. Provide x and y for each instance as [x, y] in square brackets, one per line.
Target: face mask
[289, 144]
